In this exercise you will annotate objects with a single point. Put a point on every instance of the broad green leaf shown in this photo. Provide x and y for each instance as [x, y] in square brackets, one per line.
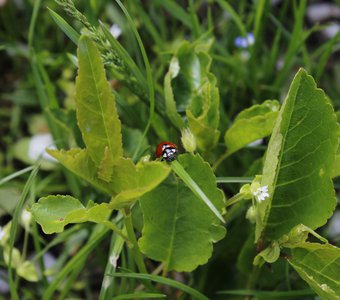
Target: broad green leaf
[192, 185]
[179, 229]
[96, 111]
[190, 88]
[299, 162]
[319, 266]
[251, 124]
[129, 181]
[53, 213]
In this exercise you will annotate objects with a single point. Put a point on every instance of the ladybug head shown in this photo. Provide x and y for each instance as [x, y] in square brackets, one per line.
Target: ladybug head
[167, 151]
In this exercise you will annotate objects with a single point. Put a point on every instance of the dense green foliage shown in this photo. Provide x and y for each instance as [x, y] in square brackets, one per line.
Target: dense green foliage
[235, 214]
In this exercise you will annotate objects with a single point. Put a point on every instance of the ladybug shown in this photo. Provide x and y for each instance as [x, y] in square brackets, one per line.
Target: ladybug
[167, 151]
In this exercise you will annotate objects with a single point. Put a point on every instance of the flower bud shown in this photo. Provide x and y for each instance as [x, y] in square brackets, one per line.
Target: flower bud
[188, 140]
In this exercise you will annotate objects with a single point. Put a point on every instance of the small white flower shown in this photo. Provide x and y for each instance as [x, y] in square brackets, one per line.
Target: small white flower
[2, 233]
[116, 31]
[188, 140]
[261, 193]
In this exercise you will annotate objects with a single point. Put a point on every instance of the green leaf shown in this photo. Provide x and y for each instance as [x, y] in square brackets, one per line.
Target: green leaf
[53, 213]
[79, 162]
[179, 229]
[133, 183]
[139, 296]
[251, 124]
[336, 166]
[129, 182]
[189, 87]
[270, 254]
[192, 185]
[24, 269]
[319, 266]
[28, 271]
[299, 162]
[96, 111]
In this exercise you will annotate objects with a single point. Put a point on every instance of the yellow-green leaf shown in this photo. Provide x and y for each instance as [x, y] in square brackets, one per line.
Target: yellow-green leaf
[96, 111]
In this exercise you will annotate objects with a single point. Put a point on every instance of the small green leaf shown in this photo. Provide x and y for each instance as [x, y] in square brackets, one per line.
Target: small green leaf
[96, 111]
[53, 213]
[299, 161]
[319, 266]
[179, 229]
[269, 255]
[133, 183]
[251, 124]
[16, 257]
[28, 271]
[24, 269]
[298, 235]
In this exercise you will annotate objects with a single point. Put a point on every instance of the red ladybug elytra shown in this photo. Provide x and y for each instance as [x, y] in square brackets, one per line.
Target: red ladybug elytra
[167, 151]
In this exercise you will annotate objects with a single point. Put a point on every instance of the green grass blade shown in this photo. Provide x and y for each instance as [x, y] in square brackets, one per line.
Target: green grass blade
[268, 294]
[175, 10]
[64, 26]
[139, 296]
[14, 228]
[16, 174]
[296, 41]
[179, 170]
[170, 282]
[148, 76]
[194, 20]
[94, 240]
[234, 179]
[322, 61]
[260, 7]
[124, 55]
[108, 284]
[234, 15]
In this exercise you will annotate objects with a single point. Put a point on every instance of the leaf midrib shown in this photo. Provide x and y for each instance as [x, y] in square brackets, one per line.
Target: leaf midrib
[284, 137]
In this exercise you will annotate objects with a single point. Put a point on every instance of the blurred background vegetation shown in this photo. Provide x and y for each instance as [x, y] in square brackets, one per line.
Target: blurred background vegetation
[37, 87]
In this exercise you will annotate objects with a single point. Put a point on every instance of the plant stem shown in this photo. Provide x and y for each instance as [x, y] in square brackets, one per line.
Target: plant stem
[135, 249]
[220, 160]
[235, 199]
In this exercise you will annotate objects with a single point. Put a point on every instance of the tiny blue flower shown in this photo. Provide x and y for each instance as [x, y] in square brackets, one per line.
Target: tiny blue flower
[245, 42]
